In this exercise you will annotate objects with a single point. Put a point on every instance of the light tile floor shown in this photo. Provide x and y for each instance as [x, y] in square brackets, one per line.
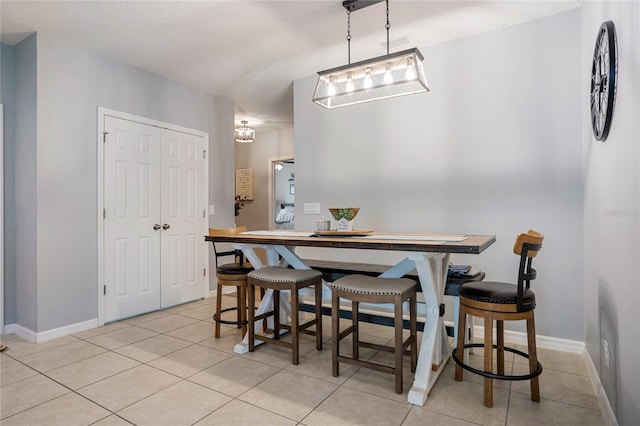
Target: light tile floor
[166, 368]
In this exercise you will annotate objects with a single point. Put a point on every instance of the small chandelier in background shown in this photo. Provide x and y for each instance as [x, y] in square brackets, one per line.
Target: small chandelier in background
[244, 133]
[387, 76]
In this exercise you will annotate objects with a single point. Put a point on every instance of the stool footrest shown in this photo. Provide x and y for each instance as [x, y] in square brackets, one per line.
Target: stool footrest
[230, 322]
[492, 375]
[367, 364]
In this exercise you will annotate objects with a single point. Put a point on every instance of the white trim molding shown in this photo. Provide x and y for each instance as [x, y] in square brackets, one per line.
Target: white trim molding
[546, 342]
[603, 400]
[34, 337]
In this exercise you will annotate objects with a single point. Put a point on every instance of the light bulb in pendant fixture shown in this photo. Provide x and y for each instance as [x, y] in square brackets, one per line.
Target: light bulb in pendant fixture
[331, 90]
[349, 86]
[368, 82]
[388, 77]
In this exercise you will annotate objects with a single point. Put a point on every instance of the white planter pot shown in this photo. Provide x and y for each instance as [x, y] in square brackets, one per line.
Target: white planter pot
[345, 225]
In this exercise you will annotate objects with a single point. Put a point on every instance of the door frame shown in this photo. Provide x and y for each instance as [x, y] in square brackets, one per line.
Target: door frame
[271, 182]
[102, 113]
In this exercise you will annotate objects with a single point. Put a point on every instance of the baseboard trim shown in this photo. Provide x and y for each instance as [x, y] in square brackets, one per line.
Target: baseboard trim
[546, 342]
[22, 332]
[603, 400]
[34, 337]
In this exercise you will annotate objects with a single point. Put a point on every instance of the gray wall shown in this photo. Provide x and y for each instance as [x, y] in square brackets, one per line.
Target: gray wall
[57, 213]
[8, 99]
[25, 190]
[494, 148]
[612, 215]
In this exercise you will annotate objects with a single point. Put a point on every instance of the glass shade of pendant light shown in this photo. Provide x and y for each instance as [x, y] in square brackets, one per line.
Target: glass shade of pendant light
[391, 75]
[244, 133]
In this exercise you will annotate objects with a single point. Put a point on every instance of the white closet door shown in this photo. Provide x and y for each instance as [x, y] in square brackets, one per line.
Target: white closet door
[132, 161]
[182, 212]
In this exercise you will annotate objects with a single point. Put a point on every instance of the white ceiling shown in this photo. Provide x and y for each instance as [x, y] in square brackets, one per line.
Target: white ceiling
[251, 51]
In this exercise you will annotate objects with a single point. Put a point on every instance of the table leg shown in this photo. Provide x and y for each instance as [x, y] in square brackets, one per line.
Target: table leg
[434, 351]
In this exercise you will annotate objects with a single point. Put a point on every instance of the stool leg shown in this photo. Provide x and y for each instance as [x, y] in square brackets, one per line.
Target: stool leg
[264, 321]
[413, 320]
[488, 358]
[355, 314]
[295, 341]
[533, 357]
[335, 333]
[276, 314]
[243, 306]
[500, 345]
[218, 309]
[318, 290]
[250, 315]
[462, 326]
[398, 342]
[239, 304]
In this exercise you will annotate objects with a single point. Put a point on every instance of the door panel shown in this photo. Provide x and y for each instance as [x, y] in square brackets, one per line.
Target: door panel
[182, 209]
[132, 161]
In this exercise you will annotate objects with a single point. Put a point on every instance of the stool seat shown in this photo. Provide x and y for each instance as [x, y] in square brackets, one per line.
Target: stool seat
[275, 274]
[498, 292]
[234, 269]
[363, 284]
[278, 279]
[366, 289]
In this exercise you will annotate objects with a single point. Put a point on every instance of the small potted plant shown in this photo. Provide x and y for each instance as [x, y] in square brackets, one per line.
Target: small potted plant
[344, 216]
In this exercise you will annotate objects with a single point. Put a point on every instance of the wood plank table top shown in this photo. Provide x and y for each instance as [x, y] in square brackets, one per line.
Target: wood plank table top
[438, 243]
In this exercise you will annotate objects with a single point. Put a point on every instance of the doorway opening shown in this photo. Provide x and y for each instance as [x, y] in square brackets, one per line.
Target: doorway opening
[281, 192]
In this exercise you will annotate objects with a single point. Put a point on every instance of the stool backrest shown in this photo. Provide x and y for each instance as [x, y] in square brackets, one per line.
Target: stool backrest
[527, 247]
[239, 257]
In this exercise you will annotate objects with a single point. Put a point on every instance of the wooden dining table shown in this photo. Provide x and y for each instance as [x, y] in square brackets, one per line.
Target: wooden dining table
[426, 254]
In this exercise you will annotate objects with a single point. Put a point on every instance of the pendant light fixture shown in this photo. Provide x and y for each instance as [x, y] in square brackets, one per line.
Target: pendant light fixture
[387, 76]
[244, 133]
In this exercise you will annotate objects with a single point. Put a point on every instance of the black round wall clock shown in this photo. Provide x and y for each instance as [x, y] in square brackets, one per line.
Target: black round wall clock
[603, 80]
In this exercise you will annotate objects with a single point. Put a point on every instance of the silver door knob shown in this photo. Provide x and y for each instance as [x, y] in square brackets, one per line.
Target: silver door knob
[156, 226]
[166, 226]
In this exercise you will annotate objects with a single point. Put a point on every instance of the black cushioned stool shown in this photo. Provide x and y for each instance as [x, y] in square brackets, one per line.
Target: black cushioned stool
[362, 288]
[499, 302]
[231, 274]
[278, 279]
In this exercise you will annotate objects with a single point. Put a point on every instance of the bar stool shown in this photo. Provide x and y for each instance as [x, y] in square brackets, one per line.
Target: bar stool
[502, 302]
[231, 274]
[279, 279]
[365, 289]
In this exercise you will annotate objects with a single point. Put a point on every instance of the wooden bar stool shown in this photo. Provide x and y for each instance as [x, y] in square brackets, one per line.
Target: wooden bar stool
[279, 279]
[502, 302]
[231, 274]
[366, 289]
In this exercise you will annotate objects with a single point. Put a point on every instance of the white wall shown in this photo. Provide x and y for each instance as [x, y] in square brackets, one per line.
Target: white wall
[612, 214]
[494, 148]
[269, 143]
[60, 215]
